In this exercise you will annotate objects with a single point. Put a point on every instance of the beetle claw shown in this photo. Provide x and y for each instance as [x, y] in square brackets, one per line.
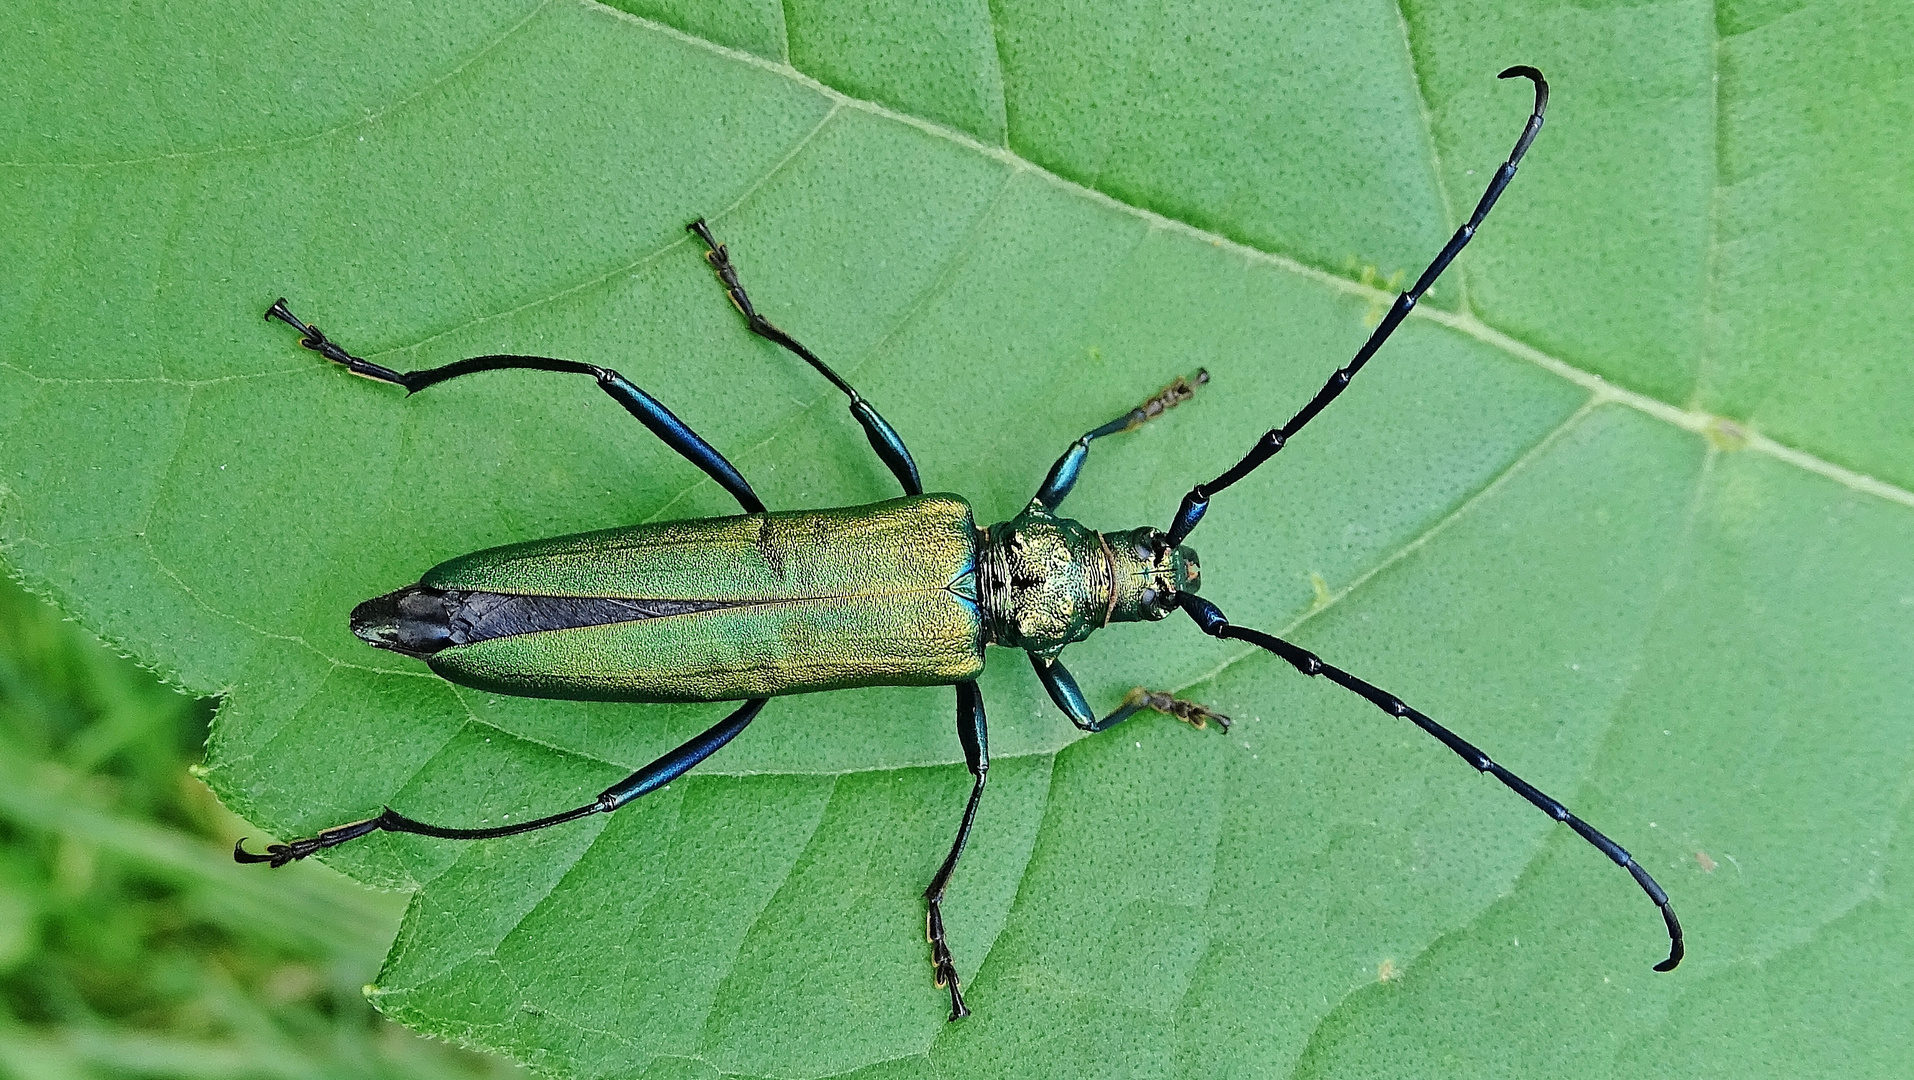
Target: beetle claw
[276, 854]
[944, 968]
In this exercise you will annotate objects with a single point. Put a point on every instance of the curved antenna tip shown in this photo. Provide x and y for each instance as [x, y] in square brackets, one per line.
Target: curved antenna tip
[1524, 71]
[1676, 950]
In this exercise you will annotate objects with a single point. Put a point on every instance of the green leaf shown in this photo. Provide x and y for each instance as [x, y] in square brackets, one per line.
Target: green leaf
[1627, 506]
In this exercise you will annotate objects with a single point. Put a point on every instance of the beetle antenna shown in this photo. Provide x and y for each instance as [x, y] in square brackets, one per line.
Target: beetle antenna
[1212, 622]
[1198, 499]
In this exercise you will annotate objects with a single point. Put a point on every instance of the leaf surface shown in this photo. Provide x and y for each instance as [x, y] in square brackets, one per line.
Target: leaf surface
[1627, 508]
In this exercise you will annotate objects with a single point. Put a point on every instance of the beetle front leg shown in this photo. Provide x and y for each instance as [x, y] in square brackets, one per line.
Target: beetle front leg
[1193, 713]
[970, 731]
[1068, 697]
[1063, 475]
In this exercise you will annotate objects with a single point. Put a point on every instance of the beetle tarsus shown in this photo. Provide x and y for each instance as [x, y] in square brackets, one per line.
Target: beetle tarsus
[315, 339]
[941, 961]
[278, 855]
[1195, 714]
[1176, 393]
[720, 259]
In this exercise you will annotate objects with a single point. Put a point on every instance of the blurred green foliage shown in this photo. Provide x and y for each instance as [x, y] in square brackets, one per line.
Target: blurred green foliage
[130, 945]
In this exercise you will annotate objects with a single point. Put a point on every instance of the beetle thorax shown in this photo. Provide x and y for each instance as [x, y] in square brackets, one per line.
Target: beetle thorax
[1045, 581]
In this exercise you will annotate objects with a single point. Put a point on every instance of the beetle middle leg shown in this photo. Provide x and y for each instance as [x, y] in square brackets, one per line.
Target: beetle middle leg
[1068, 696]
[883, 438]
[646, 780]
[970, 731]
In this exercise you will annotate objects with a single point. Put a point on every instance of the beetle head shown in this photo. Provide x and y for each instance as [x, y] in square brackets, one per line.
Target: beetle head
[1150, 574]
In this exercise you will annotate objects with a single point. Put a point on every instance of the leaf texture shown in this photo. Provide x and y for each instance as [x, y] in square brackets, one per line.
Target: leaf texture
[1627, 506]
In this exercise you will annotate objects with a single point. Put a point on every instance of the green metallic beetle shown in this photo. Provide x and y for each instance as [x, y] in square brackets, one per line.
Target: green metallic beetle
[906, 592]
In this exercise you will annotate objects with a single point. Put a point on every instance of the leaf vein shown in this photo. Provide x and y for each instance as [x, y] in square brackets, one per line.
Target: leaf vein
[1693, 420]
[625, 269]
[1417, 86]
[365, 120]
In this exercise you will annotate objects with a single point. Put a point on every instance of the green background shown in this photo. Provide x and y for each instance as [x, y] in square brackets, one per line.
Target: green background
[1629, 507]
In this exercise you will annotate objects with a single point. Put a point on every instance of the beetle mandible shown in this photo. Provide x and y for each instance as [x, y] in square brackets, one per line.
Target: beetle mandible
[906, 592]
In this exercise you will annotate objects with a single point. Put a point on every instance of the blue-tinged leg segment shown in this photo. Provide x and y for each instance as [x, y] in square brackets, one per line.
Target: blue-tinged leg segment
[1063, 475]
[883, 438]
[674, 432]
[675, 764]
[976, 742]
[1275, 439]
[1212, 622]
[1069, 697]
[646, 780]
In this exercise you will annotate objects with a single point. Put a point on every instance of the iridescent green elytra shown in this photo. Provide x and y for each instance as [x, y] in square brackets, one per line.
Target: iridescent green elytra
[904, 592]
[899, 593]
[799, 601]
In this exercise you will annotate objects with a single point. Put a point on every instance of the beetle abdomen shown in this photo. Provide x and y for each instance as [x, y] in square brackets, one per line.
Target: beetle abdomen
[706, 610]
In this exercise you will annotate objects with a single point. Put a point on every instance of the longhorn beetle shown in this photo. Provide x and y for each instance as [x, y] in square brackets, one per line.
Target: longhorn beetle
[899, 593]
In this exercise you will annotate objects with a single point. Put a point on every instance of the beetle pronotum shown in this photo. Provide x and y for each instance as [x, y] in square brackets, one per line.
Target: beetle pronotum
[904, 592]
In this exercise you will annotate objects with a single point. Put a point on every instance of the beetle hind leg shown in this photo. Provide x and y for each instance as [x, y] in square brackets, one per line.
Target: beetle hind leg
[971, 732]
[646, 780]
[648, 410]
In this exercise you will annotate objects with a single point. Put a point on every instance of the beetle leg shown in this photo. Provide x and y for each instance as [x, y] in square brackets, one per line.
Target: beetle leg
[646, 780]
[883, 438]
[970, 731]
[1063, 475]
[1069, 697]
[1195, 714]
[674, 432]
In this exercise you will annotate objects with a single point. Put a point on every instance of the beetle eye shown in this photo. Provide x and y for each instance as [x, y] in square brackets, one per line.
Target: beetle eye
[1148, 597]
